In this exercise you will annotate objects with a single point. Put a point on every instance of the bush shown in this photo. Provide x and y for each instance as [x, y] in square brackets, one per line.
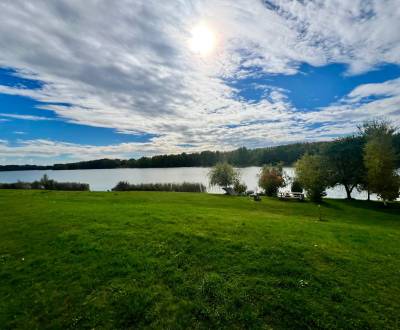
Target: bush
[15, 185]
[122, 186]
[36, 185]
[70, 186]
[172, 187]
[47, 184]
[271, 179]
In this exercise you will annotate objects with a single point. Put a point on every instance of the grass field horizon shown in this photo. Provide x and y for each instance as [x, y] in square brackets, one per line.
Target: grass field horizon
[118, 260]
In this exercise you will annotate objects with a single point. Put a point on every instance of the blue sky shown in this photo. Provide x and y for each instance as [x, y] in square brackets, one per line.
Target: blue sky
[151, 78]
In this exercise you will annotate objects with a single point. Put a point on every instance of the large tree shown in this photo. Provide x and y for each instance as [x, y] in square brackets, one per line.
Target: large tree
[345, 163]
[223, 175]
[380, 160]
[270, 179]
[312, 173]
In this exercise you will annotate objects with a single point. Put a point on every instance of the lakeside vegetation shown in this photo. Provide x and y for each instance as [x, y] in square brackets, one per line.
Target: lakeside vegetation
[363, 161]
[242, 157]
[46, 184]
[171, 187]
[167, 260]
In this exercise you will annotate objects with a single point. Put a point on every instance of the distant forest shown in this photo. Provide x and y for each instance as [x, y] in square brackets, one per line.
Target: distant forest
[286, 154]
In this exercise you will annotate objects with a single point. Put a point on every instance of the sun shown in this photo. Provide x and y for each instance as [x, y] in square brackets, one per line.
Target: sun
[203, 40]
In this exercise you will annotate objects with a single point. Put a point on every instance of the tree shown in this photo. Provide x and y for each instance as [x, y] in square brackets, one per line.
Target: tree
[271, 179]
[344, 158]
[223, 175]
[312, 173]
[296, 186]
[376, 127]
[380, 159]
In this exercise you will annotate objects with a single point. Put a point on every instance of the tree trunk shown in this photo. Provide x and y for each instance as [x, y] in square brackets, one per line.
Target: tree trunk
[369, 195]
[348, 191]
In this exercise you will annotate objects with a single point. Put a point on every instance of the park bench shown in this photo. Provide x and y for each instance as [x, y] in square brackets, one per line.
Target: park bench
[291, 195]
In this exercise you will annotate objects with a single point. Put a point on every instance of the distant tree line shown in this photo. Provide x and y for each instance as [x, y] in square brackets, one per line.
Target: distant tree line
[242, 157]
[24, 167]
[287, 154]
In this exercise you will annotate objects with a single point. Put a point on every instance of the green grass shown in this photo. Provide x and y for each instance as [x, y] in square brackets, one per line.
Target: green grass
[176, 261]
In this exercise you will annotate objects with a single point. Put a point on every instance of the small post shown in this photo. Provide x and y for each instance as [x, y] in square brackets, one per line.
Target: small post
[319, 212]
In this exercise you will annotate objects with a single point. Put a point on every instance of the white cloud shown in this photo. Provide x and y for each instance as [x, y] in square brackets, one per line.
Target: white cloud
[388, 88]
[358, 106]
[24, 117]
[127, 65]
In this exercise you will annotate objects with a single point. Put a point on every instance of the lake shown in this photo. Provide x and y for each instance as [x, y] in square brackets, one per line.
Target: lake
[106, 179]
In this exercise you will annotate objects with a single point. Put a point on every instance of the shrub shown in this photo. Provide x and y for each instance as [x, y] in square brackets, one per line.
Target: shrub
[271, 179]
[15, 185]
[47, 184]
[173, 187]
[122, 186]
[70, 186]
[36, 185]
[239, 187]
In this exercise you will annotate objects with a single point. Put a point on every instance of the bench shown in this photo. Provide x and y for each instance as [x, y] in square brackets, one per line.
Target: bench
[291, 195]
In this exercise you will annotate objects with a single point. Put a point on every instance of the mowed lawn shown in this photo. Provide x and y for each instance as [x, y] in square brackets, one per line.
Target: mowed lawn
[86, 260]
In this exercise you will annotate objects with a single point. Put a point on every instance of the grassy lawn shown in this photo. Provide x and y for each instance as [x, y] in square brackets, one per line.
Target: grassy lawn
[176, 261]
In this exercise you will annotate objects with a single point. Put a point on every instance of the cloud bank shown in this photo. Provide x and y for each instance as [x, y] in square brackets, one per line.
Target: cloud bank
[126, 65]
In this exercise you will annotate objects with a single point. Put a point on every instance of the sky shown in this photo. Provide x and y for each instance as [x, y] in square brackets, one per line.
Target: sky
[93, 79]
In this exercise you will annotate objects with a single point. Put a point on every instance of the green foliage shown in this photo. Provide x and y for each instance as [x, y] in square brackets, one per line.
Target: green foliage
[174, 187]
[270, 179]
[296, 186]
[239, 187]
[150, 260]
[312, 173]
[344, 158]
[46, 184]
[15, 185]
[223, 175]
[241, 157]
[375, 128]
[379, 157]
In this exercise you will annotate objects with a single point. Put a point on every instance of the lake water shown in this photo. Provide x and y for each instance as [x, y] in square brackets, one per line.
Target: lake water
[103, 180]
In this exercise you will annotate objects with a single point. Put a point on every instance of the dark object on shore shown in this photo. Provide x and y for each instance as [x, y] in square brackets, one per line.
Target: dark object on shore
[291, 195]
[257, 198]
[229, 191]
[172, 187]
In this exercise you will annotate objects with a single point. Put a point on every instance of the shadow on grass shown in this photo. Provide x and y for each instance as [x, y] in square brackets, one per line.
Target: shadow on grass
[390, 208]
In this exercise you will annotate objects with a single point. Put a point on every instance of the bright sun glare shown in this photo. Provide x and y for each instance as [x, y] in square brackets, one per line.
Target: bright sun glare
[203, 40]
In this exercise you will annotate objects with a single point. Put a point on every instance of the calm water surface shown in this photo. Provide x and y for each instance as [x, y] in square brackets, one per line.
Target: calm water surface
[103, 180]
